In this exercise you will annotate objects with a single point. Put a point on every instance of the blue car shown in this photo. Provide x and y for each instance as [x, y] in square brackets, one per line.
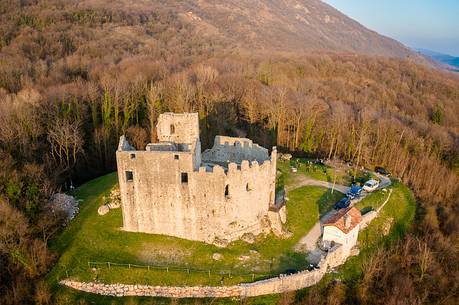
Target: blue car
[354, 192]
[343, 203]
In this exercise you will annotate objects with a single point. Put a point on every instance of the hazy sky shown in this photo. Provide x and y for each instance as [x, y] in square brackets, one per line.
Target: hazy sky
[429, 24]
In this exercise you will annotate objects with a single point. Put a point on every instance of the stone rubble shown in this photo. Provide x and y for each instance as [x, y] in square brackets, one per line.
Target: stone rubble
[66, 203]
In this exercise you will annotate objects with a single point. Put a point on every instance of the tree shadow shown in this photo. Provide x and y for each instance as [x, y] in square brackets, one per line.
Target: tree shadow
[292, 262]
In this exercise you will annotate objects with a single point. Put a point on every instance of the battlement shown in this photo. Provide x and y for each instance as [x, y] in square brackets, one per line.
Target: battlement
[232, 168]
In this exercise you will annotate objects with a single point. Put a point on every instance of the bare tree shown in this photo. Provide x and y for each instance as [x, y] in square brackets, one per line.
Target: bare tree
[66, 141]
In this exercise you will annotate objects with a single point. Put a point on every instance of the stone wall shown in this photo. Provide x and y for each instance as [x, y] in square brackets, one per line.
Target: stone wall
[367, 218]
[178, 127]
[228, 149]
[214, 203]
[283, 283]
[166, 189]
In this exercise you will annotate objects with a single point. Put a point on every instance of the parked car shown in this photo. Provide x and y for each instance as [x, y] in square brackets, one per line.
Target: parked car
[354, 192]
[320, 162]
[343, 203]
[371, 185]
[382, 171]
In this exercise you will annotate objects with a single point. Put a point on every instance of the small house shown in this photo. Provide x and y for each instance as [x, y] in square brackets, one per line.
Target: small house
[343, 228]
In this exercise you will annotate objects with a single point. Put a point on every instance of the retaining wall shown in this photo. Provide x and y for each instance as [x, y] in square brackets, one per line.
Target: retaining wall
[283, 283]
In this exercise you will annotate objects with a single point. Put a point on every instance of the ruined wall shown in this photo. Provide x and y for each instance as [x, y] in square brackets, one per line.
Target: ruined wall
[229, 149]
[210, 204]
[178, 127]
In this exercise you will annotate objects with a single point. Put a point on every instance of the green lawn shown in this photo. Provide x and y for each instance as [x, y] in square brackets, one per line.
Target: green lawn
[319, 172]
[91, 237]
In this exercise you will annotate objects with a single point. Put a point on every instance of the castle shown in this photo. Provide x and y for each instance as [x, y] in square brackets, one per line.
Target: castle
[223, 194]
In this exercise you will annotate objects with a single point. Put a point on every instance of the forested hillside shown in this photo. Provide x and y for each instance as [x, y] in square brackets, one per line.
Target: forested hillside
[74, 77]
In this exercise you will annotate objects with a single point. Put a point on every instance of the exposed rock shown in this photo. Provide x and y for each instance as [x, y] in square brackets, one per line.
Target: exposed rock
[114, 205]
[103, 210]
[63, 202]
[217, 256]
[248, 238]
[285, 157]
[387, 226]
[221, 243]
[354, 251]
[244, 258]
[254, 252]
[115, 198]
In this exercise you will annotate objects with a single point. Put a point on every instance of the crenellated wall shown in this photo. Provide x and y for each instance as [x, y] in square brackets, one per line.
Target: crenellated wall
[167, 189]
[213, 204]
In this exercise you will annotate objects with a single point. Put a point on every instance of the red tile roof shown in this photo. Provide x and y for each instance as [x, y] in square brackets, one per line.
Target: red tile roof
[337, 220]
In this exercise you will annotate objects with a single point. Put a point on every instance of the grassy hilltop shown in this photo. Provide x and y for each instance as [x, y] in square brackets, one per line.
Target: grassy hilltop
[94, 238]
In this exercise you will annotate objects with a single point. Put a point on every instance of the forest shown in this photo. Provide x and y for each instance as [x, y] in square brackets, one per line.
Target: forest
[73, 80]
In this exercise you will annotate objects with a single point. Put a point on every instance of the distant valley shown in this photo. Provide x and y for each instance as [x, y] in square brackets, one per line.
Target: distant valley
[451, 61]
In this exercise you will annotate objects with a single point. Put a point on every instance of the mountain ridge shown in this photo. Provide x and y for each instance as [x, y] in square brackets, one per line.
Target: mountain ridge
[288, 25]
[274, 25]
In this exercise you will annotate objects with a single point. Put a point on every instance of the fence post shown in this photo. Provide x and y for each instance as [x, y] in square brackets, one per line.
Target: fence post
[167, 269]
[89, 264]
[188, 270]
[129, 266]
[66, 273]
[209, 273]
[108, 265]
[148, 267]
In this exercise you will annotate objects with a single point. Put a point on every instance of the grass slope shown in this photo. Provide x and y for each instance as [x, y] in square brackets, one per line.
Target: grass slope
[91, 237]
[98, 238]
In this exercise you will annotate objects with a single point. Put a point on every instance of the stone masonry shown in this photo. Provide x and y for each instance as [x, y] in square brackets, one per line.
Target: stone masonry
[218, 196]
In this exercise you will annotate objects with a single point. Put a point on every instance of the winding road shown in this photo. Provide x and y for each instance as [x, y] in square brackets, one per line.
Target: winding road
[308, 242]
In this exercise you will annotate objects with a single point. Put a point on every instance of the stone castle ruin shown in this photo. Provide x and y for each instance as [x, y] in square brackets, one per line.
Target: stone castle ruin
[218, 196]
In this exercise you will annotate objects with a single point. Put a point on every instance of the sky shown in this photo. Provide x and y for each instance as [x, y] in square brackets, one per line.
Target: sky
[428, 24]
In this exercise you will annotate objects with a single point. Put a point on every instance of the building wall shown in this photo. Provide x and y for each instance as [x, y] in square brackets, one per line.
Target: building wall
[348, 241]
[156, 201]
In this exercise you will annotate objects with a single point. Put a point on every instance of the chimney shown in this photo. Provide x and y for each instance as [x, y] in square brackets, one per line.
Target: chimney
[347, 221]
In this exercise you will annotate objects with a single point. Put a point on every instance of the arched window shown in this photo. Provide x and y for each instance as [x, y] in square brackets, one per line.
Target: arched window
[172, 128]
[227, 190]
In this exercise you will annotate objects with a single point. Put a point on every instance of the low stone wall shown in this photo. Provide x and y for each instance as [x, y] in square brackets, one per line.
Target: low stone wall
[283, 283]
[367, 218]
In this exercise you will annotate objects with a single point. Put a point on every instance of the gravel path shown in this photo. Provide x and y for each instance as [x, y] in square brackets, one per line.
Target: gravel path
[301, 180]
